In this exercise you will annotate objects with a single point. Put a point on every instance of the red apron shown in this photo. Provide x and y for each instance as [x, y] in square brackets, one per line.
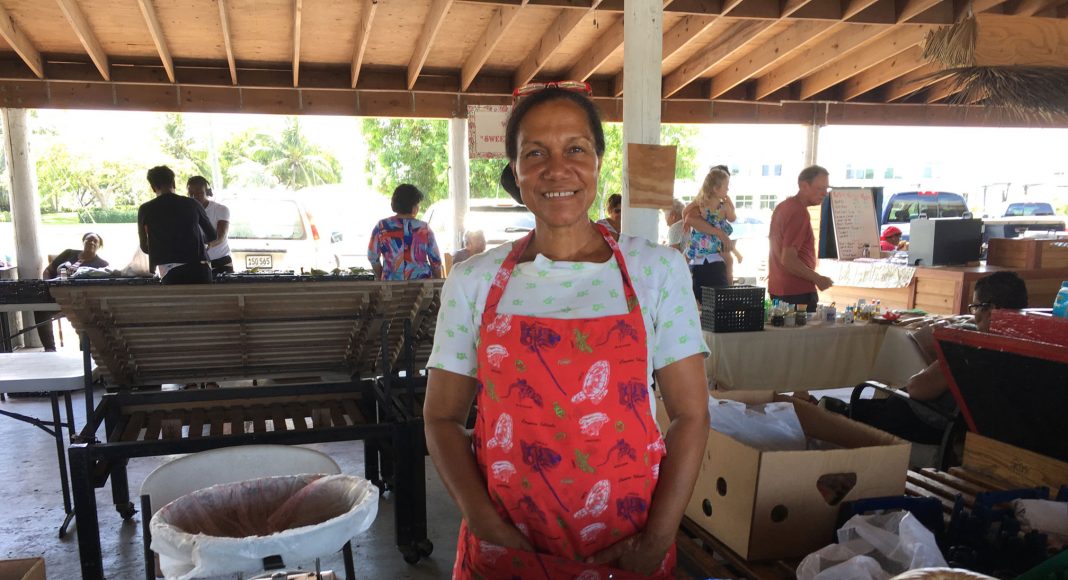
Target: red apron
[564, 437]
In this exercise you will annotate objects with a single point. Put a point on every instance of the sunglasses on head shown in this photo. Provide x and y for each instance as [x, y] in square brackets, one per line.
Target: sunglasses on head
[975, 308]
[572, 86]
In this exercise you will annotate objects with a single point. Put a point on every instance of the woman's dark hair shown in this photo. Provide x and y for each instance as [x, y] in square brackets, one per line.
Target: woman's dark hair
[1003, 290]
[405, 197]
[94, 234]
[200, 180]
[614, 200]
[524, 106]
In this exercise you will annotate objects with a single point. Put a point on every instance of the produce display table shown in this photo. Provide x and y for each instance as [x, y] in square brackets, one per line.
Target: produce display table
[334, 336]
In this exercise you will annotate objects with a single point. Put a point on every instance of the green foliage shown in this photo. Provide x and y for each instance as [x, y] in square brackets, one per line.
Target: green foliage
[67, 181]
[5, 216]
[115, 215]
[190, 158]
[416, 151]
[294, 161]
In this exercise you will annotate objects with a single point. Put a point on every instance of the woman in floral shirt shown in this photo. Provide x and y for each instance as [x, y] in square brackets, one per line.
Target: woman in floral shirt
[402, 247]
[710, 215]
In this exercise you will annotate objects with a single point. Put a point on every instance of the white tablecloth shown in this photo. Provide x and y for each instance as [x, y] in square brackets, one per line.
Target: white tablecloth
[793, 359]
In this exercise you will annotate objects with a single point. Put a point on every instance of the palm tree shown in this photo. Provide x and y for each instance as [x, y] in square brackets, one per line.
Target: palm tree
[295, 161]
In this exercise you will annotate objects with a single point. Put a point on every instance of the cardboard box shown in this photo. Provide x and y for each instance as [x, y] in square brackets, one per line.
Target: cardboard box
[26, 569]
[784, 504]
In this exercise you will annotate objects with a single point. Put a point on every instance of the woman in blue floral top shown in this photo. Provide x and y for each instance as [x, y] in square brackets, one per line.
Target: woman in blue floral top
[402, 247]
[710, 214]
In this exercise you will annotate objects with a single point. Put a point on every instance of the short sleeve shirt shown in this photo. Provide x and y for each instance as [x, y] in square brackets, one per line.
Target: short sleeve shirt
[218, 212]
[704, 246]
[790, 228]
[406, 247]
[569, 290]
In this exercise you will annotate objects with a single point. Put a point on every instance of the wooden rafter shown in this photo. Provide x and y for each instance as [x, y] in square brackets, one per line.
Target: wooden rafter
[224, 23]
[794, 38]
[791, 6]
[737, 35]
[86, 36]
[881, 47]
[688, 28]
[884, 72]
[297, 13]
[909, 83]
[854, 7]
[502, 19]
[941, 90]
[603, 48]
[363, 34]
[434, 19]
[565, 23]
[844, 39]
[22, 45]
[148, 10]
[1033, 7]
[986, 5]
[914, 8]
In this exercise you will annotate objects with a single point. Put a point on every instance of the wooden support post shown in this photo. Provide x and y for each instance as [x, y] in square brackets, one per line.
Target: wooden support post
[642, 49]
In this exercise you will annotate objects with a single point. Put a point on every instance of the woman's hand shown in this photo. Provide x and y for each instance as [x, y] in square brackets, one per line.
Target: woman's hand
[500, 532]
[637, 553]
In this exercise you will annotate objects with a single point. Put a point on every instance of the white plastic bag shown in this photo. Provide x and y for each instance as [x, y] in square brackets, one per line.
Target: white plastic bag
[875, 547]
[769, 427]
[138, 266]
[232, 527]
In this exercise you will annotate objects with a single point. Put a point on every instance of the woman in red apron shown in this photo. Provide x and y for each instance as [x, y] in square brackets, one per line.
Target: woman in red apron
[566, 474]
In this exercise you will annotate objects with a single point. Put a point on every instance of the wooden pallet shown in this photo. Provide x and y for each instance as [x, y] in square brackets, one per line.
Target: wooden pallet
[150, 334]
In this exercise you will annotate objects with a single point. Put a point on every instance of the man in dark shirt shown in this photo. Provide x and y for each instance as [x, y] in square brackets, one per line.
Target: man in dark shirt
[174, 231]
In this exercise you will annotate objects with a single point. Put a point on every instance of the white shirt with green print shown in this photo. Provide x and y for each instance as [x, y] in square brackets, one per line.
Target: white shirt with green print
[573, 290]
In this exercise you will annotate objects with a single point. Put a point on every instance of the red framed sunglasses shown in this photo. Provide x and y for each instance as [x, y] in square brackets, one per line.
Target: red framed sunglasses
[572, 86]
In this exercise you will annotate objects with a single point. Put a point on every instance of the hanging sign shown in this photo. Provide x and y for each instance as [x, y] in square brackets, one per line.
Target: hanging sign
[485, 130]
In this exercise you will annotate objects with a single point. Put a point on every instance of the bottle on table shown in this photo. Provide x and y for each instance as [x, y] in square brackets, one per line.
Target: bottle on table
[64, 272]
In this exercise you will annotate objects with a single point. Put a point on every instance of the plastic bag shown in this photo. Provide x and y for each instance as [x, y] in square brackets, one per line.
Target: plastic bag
[230, 528]
[874, 547]
[138, 266]
[768, 427]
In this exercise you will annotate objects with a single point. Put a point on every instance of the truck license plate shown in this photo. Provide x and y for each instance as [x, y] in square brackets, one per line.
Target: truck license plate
[257, 262]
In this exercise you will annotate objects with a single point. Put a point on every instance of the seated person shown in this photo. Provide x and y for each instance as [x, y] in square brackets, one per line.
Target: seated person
[73, 259]
[613, 214]
[894, 414]
[474, 244]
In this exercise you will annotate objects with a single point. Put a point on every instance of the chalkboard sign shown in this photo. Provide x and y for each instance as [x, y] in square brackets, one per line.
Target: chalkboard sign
[853, 213]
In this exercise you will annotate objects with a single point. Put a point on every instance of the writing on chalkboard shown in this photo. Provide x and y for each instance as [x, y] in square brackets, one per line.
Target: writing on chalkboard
[855, 227]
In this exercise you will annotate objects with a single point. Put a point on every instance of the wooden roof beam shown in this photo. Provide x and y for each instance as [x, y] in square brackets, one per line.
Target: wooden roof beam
[224, 23]
[298, 8]
[909, 83]
[794, 38]
[603, 48]
[363, 34]
[148, 10]
[22, 45]
[737, 35]
[550, 42]
[942, 90]
[688, 28]
[879, 48]
[845, 39]
[86, 36]
[884, 72]
[502, 19]
[986, 5]
[913, 8]
[1033, 7]
[853, 7]
[434, 19]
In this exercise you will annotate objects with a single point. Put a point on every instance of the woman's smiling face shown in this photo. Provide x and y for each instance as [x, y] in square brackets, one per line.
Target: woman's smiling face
[557, 164]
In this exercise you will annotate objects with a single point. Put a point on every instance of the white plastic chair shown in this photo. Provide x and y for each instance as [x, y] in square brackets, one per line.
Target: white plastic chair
[172, 480]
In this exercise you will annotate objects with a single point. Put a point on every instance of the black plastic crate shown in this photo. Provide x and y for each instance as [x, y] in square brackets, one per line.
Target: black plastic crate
[732, 298]
[733, 320]
[732, 309]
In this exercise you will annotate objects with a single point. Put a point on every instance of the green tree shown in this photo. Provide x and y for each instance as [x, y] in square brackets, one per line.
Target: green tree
[295, 161]
[66, 181]
[189, 157]
[416, 151]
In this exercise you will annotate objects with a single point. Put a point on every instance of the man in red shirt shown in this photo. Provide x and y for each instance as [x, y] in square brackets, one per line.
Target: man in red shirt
[792, 275]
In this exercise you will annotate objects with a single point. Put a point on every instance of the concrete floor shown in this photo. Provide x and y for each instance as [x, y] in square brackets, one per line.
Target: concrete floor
[32, 511]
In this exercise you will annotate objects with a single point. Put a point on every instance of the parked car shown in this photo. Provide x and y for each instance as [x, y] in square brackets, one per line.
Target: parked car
[1028, 208]
[274, 231]
[348, 215]
[501, 220]
[901, 208]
